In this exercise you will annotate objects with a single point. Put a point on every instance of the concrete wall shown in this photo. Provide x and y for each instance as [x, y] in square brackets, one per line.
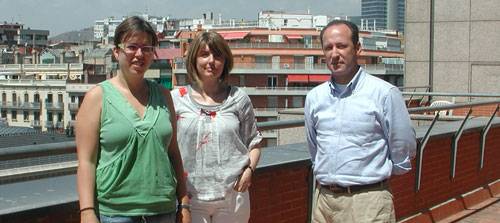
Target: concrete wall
[463, 48]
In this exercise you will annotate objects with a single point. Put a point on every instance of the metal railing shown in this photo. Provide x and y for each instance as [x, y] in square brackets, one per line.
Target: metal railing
[70, 147]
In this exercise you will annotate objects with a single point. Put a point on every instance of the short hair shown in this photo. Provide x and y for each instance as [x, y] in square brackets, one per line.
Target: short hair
[131, 26]
[218, 46]
[353, 27]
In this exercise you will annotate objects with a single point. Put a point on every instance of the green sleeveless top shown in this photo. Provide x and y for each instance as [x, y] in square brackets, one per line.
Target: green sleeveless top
[134, 175]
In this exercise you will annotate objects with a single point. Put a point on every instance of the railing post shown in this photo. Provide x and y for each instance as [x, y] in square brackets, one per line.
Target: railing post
[454, 145]
[411, 96]
[420, 153]
[484, 133]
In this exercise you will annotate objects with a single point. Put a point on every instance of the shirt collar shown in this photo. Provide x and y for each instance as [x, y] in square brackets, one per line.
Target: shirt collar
[352, 85]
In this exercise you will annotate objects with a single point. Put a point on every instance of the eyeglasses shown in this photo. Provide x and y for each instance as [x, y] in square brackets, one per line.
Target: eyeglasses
[131, 48]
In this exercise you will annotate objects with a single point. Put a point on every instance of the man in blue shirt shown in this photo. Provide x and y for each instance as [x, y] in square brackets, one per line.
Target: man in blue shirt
[359, 133]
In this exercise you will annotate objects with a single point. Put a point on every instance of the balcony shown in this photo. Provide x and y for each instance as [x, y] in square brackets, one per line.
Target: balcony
[73, 106]
[36, 124]
[31, 105]
[300, 68]
[273, 68]
[274, 45]
[384, 69]
[54, 106]
[11, 105]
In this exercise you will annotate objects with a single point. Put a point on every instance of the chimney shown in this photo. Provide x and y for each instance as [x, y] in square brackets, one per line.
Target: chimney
[61, 59]
[17, 57]
[80, 56]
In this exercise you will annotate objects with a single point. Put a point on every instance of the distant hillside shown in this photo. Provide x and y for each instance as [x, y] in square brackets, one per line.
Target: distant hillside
[75, 36]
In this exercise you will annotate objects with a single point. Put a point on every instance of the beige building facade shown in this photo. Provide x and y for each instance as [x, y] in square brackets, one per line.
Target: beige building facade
[453, 45]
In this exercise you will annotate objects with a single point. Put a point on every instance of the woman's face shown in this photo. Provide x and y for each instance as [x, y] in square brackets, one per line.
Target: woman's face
[135, 54]
[208, 65]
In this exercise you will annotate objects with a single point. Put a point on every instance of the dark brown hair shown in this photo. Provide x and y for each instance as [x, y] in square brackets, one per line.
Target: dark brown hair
[132, 25]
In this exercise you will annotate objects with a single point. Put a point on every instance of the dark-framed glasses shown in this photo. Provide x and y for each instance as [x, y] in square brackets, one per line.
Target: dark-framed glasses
[131, 48]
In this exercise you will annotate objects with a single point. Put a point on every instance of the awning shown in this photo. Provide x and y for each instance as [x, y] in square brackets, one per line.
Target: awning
[294, 36]
[306, 78]
[233, 35]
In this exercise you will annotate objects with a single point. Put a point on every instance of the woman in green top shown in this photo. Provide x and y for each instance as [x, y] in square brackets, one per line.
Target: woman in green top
[129, 165]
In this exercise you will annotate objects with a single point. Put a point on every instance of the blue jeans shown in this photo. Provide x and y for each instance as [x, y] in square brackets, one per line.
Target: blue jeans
[161, 218]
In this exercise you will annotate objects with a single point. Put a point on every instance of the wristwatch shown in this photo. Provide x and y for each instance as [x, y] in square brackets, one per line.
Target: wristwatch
[185, 206]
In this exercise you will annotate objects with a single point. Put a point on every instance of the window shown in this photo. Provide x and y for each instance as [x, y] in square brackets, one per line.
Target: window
[73, 116]
[14, 116]
[37, 98]
[26, 97]
[181, 80]
[309, 62]
[14, 98]
[272, 81]
[242, 80]
[59, 117]
[49, 98]
[59, 98]
[73, 99]
[272, 101]
[26, 116]
[308, 41]
[297, 102]
[4, 114]
[49, 117]
[36, 116]
[275, 62]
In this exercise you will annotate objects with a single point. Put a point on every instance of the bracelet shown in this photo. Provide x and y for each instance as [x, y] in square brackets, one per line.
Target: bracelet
[87, 208]
[185, 206]
[251, 169]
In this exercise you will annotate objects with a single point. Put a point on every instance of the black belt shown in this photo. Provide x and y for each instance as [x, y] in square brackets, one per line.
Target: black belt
[355, 188]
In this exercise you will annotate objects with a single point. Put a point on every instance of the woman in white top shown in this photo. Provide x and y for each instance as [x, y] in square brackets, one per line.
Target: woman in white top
[217, 134]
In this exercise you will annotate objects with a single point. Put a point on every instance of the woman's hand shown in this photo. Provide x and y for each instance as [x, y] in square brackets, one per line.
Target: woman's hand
[88, 216]
[245, 180]
[184, 215]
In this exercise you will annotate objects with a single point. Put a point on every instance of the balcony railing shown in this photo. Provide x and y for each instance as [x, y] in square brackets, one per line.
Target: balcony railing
[73, 106]
[36, 124]
[294, 161]
[376, 69]
[261, 67]
[54, 106]
[275, 45]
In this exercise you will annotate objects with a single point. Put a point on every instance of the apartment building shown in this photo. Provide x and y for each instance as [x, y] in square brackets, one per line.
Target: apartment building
[34, 95]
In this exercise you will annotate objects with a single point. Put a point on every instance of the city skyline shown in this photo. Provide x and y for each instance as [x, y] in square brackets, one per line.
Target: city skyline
[59, 16]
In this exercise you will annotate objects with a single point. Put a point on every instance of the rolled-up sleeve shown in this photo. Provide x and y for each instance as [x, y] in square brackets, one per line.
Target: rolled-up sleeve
[399, 131]
[310, 129]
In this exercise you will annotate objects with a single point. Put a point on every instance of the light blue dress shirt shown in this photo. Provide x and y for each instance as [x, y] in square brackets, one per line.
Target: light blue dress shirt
[359, 136]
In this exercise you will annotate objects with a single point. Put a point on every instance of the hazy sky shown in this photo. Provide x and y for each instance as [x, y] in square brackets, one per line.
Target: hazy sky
[60, 16]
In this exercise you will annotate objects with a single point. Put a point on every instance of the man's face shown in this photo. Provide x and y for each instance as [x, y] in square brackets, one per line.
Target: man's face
[340, 52]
